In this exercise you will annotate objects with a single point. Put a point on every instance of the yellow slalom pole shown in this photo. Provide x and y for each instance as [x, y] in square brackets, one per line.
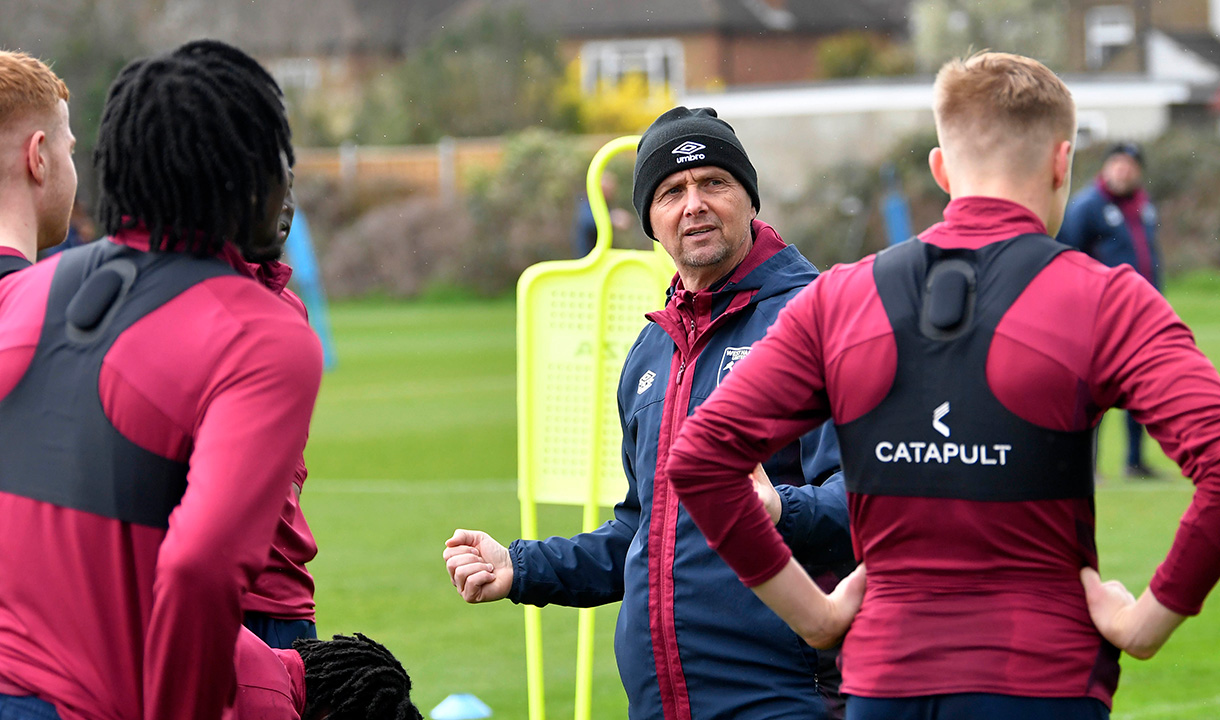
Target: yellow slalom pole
[535, 689]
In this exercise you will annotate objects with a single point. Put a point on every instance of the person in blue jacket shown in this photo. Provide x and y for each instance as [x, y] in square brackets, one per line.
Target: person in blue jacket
[584, 228]
[1113, 221]
[691, 640]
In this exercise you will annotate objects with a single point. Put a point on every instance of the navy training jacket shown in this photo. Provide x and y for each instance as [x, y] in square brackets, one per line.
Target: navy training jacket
[691, 640]
[1094, 224]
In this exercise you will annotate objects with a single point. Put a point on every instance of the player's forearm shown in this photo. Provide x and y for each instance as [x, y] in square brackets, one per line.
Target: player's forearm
[794, 597]
[726, 509]
[1151, 625]
[246, 446]
[709, 466]
[195, 607]
[1137, 627]
[1148, 357]
[1190, 570]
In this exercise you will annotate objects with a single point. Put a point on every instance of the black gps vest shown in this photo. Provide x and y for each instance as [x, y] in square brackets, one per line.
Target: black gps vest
[10, 264]
[56, 443]
[940, 432]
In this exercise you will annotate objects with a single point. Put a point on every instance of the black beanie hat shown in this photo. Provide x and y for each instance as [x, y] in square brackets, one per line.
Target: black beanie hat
[1126, 148]
[682, 139]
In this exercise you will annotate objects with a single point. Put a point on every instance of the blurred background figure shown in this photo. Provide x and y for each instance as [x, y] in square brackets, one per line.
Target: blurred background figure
[584, 230]
[1114, 221]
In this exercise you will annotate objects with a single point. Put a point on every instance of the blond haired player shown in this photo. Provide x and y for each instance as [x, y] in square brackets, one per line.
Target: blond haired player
[965, 371]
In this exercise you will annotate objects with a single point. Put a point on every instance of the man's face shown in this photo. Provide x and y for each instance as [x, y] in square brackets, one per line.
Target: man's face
[272, 224]
[288, 210]
[609, 187]
[59, 192]
[1121, 174]
[702, 218]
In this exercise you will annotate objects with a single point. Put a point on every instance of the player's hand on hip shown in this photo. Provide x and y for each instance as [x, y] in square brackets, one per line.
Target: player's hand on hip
[767, 494]
[479, 567]
[1137, 627]
[821, 619]
[844, 603]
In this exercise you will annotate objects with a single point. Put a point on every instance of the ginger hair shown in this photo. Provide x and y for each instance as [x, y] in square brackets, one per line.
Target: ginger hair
[27, 85]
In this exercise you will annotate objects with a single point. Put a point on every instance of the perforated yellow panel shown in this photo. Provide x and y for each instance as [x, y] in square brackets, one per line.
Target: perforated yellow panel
[576, 322]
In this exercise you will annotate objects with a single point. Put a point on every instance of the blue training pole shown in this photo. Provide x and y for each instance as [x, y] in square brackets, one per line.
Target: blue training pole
[308, 280]
[894, 209]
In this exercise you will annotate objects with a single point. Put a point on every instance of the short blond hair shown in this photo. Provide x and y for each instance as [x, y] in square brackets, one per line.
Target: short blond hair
[991, 99]
[27, 85]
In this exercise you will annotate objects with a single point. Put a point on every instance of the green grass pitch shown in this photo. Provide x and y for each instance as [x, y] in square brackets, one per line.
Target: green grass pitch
[414, 435]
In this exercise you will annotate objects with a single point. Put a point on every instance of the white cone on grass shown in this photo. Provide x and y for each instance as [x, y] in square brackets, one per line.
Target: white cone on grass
[460, 707]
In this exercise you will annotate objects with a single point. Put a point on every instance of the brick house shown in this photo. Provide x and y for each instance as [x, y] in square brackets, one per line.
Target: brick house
[696, 45]
[1169, 39]
[690, 44]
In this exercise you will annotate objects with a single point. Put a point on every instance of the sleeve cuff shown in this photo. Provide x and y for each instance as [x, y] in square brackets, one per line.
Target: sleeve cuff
[1173, 597]
[788, 512]
[515, 552]
[769, 571]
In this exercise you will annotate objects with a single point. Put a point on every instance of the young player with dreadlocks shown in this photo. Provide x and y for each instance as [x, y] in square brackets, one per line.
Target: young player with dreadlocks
[347, 678]
[154, 402]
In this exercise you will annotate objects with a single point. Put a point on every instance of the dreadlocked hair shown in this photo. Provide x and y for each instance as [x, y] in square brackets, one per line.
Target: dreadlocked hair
[354, 678]
[189, 147]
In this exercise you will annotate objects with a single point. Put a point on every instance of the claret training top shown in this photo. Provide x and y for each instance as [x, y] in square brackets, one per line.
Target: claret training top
[967, 593]
[284, 590]
[172, 428]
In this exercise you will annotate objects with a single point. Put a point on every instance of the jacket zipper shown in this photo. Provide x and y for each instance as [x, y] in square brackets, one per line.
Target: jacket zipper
[679, 697]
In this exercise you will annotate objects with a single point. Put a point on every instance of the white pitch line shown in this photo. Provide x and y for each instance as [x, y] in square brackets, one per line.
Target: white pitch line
[1166, 709]
[417, 389]
[405, 486]
[1149, 486]
[399, 486]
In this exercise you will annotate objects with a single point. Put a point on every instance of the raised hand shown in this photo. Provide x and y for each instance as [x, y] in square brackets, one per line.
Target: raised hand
[479, 567]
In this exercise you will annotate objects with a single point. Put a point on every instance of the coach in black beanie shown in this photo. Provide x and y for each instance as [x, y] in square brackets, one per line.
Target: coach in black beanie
[681, 139]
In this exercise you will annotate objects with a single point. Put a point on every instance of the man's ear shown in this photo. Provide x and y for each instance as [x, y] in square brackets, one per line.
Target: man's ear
[35, 161]
[1062, 164]
[936, 163]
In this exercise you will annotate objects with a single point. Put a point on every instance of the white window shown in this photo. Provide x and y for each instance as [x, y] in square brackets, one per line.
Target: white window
[660, 61]
[1091, 128]
[295, 73]
[1107, 30]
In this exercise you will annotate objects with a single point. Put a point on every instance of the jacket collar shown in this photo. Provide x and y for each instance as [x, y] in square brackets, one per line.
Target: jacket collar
[974, 221]
[273, 275]
[772, 267]
[1137, 198]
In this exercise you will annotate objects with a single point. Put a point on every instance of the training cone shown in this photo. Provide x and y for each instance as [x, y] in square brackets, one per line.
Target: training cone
[460, 707]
